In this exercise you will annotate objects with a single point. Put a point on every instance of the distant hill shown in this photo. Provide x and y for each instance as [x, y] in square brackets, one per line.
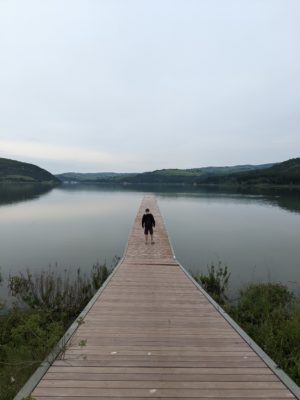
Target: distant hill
[188, 176]
[167, 176]
[284, 173]
[91, 177]
[17, 171]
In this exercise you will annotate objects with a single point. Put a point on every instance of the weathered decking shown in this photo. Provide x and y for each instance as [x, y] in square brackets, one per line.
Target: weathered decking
[152, 334]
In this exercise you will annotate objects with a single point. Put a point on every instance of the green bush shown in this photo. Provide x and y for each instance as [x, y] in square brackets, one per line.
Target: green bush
[26, 338]
[270, 314]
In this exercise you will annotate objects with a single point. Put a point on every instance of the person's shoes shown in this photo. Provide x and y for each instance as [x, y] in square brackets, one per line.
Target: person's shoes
[152, 242]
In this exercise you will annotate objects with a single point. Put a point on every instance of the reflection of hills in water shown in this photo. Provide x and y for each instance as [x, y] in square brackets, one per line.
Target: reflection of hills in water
[15, 193]
[291, 203]
[288, 199]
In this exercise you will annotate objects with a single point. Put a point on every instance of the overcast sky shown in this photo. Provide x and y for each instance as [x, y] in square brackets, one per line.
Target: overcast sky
[135, 85]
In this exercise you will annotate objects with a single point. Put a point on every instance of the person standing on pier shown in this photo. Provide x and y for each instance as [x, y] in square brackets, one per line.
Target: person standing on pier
[148, 223]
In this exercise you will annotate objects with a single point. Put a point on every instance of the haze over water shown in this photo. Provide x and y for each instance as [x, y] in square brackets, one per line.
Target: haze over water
[256, 235]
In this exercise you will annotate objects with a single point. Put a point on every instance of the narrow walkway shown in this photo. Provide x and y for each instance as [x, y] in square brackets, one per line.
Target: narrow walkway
[152, 335]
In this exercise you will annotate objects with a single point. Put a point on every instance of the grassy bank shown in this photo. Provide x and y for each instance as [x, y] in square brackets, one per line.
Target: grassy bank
[268, 312]
[47, 304]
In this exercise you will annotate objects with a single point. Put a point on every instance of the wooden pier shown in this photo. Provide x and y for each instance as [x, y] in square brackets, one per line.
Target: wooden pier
[152, 334]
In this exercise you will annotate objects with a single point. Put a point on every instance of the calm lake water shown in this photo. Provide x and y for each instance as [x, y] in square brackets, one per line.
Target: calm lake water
[255, 234]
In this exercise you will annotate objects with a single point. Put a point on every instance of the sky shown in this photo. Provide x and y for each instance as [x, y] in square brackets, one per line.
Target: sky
[139, 85]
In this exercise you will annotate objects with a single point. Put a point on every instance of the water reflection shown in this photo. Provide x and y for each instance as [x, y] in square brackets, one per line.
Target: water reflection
[255, 232]
[14, 193]
[288, 199]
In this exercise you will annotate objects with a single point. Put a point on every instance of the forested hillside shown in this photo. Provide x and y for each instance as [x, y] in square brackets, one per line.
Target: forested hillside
[285, 173]
[188, 176]
[17, 171]
[93, 177]
[168, 176]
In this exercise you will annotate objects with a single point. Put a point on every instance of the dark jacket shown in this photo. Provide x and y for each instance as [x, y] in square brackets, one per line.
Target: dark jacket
[148, 221]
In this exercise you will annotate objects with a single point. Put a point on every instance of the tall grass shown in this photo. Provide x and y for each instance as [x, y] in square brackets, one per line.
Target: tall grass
[1, 279]
[60, 294]
[47, 303]
[215, 282]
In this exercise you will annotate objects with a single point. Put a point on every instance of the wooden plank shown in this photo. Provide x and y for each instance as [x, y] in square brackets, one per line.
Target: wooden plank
[66, 367]
[164, 384]
[153, 334]
[144, 398]
[163, 377]
[161, 393]
[163, 364]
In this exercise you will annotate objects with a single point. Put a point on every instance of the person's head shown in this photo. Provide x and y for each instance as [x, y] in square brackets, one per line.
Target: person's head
[147, 210]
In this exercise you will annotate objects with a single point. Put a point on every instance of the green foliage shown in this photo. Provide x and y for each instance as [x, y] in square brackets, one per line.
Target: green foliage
[215, 283]
[28, 335]
[270, 314]
[25, 339]
[264, 301]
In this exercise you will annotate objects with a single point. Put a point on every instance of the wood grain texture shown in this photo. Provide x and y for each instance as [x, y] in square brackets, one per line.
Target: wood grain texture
[152, 335]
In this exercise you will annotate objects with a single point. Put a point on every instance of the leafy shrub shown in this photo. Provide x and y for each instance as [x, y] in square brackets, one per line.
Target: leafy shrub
[26, 339]
[270, 314]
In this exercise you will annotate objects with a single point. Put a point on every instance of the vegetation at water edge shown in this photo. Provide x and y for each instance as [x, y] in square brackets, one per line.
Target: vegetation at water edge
[48, 304]
[268, 312]
[215, 282]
